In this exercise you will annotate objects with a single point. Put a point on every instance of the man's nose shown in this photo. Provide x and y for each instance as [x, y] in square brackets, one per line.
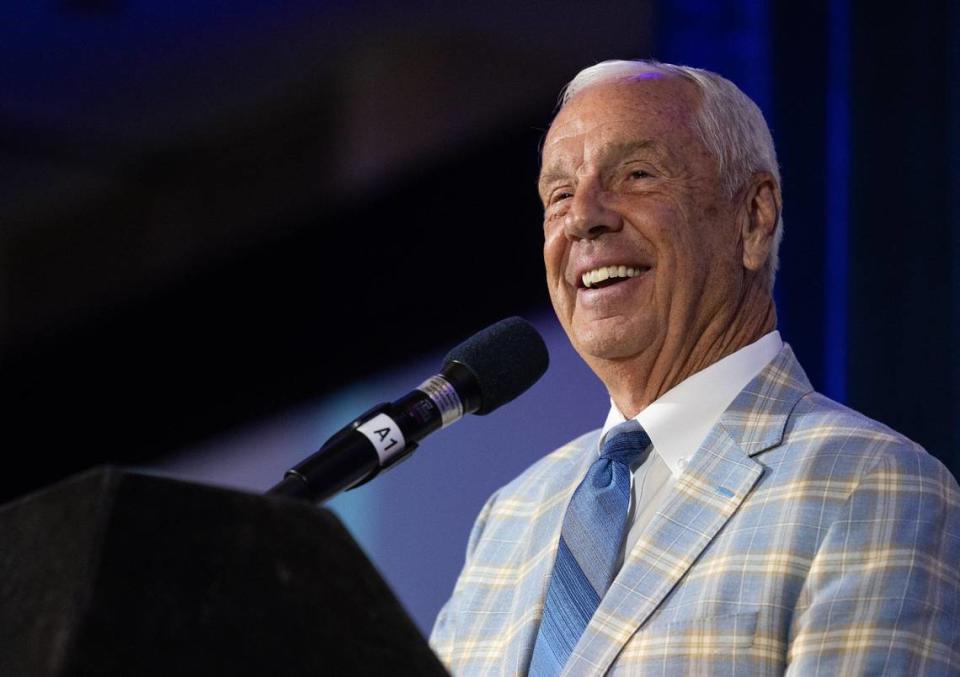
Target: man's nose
[590, 214]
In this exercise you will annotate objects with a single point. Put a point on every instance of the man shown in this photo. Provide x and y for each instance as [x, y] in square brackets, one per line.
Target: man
[727, 518]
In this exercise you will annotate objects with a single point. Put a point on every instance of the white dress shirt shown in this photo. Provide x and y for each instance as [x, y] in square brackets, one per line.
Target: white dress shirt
[678, 422]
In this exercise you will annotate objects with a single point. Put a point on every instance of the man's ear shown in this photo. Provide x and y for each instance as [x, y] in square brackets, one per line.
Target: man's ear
[762, 210]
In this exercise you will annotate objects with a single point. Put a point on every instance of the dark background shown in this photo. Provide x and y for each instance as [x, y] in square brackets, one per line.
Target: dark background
[212, 212]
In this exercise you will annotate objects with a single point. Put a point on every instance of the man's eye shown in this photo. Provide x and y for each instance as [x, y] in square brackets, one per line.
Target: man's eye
[561, 195]
[639, 174]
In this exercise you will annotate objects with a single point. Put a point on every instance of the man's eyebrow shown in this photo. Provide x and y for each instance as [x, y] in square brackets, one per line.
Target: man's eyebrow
[555, 173]
[618, 151]
[610, 154]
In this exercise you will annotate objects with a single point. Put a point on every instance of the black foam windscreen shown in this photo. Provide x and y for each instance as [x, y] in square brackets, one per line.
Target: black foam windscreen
[506, 358]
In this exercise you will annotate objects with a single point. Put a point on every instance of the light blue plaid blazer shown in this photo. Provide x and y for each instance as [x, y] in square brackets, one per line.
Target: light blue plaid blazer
[801, 538]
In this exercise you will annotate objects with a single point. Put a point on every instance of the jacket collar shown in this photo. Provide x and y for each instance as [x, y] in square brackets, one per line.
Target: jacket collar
[757, 417]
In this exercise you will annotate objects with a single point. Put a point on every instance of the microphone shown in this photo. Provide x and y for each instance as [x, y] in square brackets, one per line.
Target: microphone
[489, 369]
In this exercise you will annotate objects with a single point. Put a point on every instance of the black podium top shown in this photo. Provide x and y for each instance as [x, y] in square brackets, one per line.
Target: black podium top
[115, 573]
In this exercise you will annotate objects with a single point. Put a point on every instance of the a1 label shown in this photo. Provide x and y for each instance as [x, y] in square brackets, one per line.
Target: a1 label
[384, 433]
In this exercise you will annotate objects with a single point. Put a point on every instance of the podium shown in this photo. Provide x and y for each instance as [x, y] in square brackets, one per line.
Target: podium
[116, 573]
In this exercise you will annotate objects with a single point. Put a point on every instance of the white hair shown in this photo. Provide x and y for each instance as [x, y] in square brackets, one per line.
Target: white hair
[729, 124]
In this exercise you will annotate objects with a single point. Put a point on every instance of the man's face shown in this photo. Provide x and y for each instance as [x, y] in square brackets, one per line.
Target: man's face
[627, 183]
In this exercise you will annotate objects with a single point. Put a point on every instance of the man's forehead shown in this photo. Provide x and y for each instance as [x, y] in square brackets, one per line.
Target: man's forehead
[623, 103]
[617, 113]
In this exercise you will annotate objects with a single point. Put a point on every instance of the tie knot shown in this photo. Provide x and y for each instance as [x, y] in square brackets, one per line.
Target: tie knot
[626, 447]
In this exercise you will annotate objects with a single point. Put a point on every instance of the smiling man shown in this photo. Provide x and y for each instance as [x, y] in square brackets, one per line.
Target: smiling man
[726, 518]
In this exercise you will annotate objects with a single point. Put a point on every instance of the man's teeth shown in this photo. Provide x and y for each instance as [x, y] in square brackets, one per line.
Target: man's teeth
[592, 277]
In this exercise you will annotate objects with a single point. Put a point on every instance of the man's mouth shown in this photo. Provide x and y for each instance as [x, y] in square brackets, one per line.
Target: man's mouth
[604, 276]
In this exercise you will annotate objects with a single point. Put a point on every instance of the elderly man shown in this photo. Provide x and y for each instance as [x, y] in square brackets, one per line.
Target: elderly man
[727, 518]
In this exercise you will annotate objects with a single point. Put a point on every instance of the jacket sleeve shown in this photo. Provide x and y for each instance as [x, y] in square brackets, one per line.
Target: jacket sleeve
[883, 593]
[443, 635]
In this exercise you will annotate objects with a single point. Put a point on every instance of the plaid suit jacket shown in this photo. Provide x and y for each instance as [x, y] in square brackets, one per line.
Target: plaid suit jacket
[802, 538]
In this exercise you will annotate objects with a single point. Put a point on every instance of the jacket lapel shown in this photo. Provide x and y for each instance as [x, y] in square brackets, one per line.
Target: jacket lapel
[718, 479]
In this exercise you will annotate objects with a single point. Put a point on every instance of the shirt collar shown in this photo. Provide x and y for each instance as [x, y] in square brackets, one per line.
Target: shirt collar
[679, 420]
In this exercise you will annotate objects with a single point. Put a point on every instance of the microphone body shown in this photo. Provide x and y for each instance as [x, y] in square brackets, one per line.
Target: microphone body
[382, 437]
[484, 372]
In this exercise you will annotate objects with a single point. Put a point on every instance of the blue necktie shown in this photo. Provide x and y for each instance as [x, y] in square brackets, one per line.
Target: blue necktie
[590, 540]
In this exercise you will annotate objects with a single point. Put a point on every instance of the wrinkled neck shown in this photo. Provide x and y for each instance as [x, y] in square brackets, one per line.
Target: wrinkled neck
[635, 382]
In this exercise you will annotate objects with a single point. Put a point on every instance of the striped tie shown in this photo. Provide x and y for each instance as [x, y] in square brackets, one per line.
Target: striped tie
[590, 540]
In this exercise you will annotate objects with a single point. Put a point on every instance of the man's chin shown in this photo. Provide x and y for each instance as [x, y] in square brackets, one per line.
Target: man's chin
[615, 343]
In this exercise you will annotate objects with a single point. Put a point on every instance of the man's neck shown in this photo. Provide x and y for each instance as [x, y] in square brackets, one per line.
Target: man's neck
[636, 382]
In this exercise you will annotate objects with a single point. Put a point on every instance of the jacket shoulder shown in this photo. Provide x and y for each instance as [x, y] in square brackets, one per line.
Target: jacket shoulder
[821, 425]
